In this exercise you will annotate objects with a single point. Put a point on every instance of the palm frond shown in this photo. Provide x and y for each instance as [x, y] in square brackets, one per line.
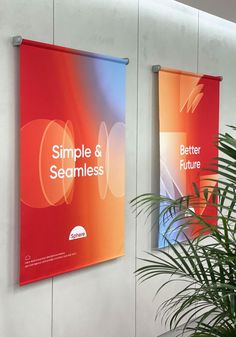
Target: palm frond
[207, 269]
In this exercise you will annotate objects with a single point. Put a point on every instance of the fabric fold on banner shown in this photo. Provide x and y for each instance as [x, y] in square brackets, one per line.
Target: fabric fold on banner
[189, 124]
[72, 152]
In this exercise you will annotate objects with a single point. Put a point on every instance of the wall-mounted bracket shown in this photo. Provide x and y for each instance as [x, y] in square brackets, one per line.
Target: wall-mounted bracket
[156, 68]
[17, 40]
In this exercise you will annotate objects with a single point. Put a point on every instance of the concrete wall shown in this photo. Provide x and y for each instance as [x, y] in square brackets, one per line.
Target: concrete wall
[103, 300]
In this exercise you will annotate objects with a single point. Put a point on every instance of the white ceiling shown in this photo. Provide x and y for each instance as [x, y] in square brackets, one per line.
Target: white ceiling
[223, 8]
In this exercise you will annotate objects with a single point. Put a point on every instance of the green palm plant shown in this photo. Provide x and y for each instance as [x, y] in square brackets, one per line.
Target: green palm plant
[206, 264]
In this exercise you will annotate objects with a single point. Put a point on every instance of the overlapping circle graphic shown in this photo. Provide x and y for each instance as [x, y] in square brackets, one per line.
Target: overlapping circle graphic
[113, 145]
[38, 137]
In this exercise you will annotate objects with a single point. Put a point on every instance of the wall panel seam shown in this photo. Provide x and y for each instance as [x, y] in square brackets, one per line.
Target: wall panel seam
[136, 187]
[52, 292]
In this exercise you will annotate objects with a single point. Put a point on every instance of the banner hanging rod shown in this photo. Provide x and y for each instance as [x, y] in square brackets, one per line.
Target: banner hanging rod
[156, 68]
[18, 40]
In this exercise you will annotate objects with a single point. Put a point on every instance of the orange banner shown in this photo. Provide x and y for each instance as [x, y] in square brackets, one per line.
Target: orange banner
[189, 119]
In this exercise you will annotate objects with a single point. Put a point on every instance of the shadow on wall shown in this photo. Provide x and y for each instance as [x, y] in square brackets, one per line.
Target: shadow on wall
[14, 162]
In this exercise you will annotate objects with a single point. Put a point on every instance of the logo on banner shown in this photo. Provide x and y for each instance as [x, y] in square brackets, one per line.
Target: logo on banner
[77, 232]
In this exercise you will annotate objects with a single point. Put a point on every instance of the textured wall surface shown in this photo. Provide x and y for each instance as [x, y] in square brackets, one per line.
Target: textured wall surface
[103, 300]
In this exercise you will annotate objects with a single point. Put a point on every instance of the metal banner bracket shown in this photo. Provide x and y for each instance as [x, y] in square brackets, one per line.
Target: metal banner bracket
[156, 68]
[17, 40]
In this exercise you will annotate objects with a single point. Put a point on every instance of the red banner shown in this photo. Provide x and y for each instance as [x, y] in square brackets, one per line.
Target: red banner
[72, 135]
